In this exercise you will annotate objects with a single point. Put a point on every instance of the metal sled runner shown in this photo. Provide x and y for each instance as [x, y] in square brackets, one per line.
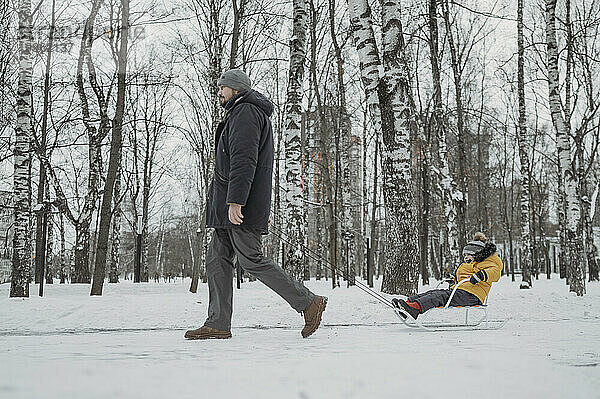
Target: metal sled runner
[475, 317]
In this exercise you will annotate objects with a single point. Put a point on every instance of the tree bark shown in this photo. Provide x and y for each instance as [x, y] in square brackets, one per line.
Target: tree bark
[572, 253]
[389, 98]
[592, 251]
[49, 267]
[588, 205]
[115, 239]
[63, 252]
[81, 271]
[449, 197]
[277, 189]
[115, 156]
[325, 129]
[146, 210]
[194, 260]
[43, 139]
[461, 192]
[425, 206]
[349, 156]
[449, 233]
[19, 284]
[293, 145]
[373, 222]
[159, 251]
[361, 24]
[526, 243]
[401, 268]
[238, 17]
[95, 135]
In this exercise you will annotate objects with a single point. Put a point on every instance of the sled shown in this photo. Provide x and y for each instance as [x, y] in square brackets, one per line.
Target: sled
[475, 317]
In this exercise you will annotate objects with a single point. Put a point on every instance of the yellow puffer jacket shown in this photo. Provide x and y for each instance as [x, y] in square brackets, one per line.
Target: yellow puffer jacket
[492, 266]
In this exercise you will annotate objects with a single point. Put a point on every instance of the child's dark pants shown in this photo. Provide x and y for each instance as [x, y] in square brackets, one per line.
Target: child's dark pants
[436, 298]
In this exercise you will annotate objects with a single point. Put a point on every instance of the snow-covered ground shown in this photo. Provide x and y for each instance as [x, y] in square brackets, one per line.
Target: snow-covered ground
[129, 344]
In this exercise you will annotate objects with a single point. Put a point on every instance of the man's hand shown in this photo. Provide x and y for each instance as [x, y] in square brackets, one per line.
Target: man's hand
[235, 214]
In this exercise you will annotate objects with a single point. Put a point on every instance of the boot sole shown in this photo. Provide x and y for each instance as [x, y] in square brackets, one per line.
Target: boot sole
[322, 310]
[208, 336]
[402, 312]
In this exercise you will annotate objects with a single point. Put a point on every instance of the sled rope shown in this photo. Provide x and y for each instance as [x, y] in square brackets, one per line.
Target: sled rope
[311, 254]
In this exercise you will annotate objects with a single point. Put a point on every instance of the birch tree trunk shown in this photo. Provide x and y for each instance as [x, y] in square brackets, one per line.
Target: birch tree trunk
[373, 222]
[96, 135]
[401, 271]
[63, 252]
[194, 260]
[116, 147]
[584, 202]
[361, 23]
[238, 19]
[145, 214]
[293, 142]
[365, 195]
[588, 205]
[567, 113]
[460, 195]
[449, 195]
[523, 142]
[277, 185]
[572, 253]
[358, 254]
[115, 238]
[159, 244]
[19, 284]
[202, 243]
[592, 251]
[215, 47]
[42, 186]
[451, 198]
[349, 156]
[325, 129]
[562, 218]
[389, 98]
[49, 269]
[425, 205]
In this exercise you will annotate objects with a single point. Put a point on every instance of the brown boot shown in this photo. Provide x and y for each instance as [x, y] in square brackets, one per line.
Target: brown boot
[206, 332]
[312, 315]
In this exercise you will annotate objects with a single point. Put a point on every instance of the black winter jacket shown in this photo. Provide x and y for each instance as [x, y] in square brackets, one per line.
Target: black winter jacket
[243, 163]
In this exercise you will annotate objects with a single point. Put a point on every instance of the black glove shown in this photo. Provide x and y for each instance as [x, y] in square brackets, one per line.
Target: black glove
[477, 277]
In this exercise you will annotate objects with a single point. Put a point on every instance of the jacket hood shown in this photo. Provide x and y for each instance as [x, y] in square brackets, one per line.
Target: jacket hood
[488, 250]
[252, 97]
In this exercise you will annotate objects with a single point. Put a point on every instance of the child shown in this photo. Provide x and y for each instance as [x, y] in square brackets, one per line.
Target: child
[481, 263]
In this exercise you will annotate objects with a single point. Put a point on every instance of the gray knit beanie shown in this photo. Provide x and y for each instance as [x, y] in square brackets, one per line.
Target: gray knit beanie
[473, 247]
[236, 79]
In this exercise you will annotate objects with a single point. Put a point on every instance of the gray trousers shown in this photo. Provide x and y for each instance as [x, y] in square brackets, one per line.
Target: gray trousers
[247, 245]
[435, 298]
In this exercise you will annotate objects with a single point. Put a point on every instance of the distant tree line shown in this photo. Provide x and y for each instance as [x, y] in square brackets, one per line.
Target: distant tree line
[401, 128]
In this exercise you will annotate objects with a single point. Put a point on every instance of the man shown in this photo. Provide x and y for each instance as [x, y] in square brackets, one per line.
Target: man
[238, 207]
